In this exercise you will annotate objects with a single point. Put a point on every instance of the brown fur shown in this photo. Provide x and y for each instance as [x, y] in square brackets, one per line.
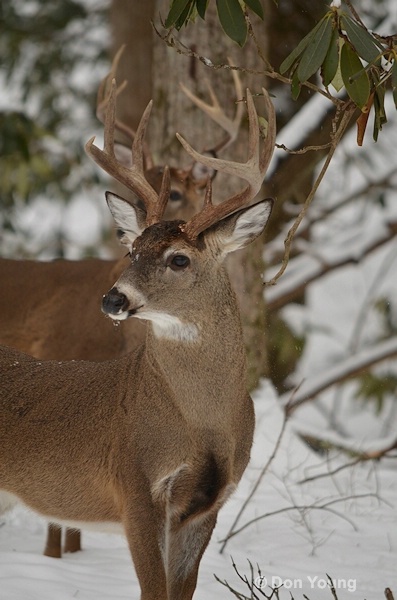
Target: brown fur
[51, 310]
[155, 440]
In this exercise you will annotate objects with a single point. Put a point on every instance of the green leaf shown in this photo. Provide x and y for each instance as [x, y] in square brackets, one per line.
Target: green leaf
[316, 51]
[186, 15]
[375, 388]
[331, 62]
[177, 8]
[256, 6]
[337, 81]
[232, 20]
[201, 6]
[394, 81]
[295, 86]
[364, 43]
[354, 76]
[380, 113]
[295, 54]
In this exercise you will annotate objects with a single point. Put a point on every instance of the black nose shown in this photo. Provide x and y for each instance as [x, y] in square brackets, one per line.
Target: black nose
[114, 302]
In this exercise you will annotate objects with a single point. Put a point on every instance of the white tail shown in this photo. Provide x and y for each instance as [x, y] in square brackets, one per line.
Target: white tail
[42, 304]
[157, 440]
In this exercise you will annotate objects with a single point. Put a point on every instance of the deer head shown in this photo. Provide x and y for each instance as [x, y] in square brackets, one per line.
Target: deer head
[171, 257]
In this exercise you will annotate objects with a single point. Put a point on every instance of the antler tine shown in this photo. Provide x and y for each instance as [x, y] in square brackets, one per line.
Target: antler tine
[253, 171]
[217, 114]
[103, 97]
[133, 177]
[105, 89]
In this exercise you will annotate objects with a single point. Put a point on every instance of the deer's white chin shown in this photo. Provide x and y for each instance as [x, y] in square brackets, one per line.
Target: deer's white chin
[169, 327]
[122, 316]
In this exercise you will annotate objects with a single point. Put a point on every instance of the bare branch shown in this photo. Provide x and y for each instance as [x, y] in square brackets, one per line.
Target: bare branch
[257, 482]
[325, 506]
[348, 368]
[361, 457]
[292, 287]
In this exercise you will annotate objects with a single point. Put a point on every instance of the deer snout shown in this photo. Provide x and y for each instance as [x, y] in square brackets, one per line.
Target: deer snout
[115, 303]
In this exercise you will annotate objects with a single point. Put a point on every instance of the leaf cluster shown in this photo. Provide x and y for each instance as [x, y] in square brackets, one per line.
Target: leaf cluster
[374, 388]
[231, 14]
[348, 55]
[42, 51]
[27, 164]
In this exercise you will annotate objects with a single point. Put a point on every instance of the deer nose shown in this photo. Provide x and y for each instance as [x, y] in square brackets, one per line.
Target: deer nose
[114, 302]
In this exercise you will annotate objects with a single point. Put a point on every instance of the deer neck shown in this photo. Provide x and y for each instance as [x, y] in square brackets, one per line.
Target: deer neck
[208, 366]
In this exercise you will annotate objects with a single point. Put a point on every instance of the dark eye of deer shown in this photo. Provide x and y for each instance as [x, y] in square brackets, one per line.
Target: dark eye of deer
[178, 262]
[175, 195]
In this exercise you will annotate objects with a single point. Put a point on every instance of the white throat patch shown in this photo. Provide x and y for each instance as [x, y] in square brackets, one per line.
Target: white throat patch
[168, 327]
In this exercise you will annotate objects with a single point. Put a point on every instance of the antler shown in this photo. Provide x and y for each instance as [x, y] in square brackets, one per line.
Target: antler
[216, 112]
[132, 177]
[103, 96]
[253, 171]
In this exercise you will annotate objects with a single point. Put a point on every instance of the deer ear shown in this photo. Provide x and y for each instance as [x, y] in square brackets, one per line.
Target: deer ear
[242, 227]
[130, 219]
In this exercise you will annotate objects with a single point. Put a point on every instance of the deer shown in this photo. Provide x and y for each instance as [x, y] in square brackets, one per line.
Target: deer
[152, 443]
[36, 314]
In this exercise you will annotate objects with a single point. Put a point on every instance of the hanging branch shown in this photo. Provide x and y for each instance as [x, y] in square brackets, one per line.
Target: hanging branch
[344, 121]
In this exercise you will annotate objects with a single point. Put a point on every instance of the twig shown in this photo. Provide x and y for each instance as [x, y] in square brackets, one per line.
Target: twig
[257, 482]
[325, 506]
[289, 290]
[303, 150]
[320, 215]
[362, 457]
[354, 13]
[347, 114]
[352, 463]
[332, 587]
[179, 47]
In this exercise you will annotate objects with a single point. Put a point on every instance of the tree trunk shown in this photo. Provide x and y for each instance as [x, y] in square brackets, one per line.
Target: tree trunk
[131, 25]
[173, 112]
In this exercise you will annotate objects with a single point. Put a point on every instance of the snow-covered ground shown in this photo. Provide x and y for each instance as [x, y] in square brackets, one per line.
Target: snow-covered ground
[353, 538]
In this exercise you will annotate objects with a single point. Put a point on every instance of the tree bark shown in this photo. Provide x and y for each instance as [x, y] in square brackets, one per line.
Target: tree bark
[173, 112]
[131, 25]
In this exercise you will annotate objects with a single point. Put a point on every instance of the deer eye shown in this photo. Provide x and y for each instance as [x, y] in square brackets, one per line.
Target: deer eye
[175, 196]
[178, 262]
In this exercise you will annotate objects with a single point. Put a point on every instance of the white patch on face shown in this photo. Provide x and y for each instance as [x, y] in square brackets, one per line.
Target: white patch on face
[168, 327]
[121, 316]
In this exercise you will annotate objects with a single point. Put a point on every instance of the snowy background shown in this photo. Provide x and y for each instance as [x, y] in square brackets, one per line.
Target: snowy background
[340, 522]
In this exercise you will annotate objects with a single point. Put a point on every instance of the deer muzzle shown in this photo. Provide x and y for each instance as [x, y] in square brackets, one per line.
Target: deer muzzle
[116, 304]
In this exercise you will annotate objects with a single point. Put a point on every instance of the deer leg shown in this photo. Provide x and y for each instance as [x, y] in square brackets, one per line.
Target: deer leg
[186, 545]
[141, 529]
[72, 540]
[53, 541]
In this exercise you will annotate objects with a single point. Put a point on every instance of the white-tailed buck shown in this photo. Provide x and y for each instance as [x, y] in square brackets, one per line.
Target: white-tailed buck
[152, 443]
[51, 310]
